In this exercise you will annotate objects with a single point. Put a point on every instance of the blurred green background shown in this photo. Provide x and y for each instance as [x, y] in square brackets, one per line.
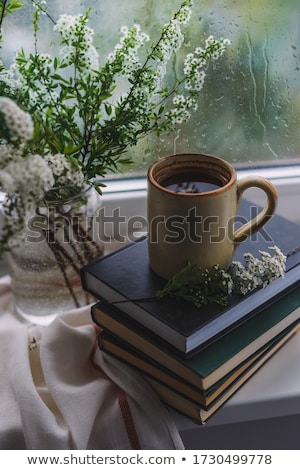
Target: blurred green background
[249, 110]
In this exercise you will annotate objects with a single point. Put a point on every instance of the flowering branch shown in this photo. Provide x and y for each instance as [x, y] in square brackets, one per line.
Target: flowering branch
[76, 107]
[202, 287]
[79, 123]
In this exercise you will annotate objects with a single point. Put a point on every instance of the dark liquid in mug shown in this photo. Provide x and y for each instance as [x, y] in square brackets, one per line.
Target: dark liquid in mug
[192, 182]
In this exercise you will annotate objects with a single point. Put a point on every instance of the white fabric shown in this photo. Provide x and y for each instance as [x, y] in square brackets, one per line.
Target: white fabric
[59, 391]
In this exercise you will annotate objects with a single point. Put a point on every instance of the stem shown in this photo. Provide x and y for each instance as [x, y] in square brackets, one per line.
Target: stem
[55, 248]
[3, 13]
[88, 246]
[147, 60]
[293, 251]
[65, 228]
[44, 10]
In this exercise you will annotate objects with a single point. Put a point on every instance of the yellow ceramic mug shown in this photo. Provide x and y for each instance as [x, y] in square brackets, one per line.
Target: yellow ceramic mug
[192, 204]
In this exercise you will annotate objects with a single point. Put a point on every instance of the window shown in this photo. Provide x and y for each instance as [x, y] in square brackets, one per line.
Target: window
[249, 111]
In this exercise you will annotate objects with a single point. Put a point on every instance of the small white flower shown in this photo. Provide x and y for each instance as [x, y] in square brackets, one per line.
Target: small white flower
[184, 15]
[64, 171]
[6, 181]
[86, 56]
[18, 122]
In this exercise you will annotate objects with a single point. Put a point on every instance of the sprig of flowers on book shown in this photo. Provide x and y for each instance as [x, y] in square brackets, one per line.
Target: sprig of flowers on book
[203, 286]
[71, 107]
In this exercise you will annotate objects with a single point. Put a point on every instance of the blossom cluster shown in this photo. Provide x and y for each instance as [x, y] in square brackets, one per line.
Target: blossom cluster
[205, 286]
[195, 62]
[181, 111]
[16, 122]
[64, 171]
[25, 181]
[194, 78]
[243, 278]
[125, 57]
[72, 28]
[257, 272]
[26, 177]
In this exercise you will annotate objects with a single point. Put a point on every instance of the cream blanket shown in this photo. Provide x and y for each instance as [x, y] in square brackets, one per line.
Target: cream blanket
[59, 391]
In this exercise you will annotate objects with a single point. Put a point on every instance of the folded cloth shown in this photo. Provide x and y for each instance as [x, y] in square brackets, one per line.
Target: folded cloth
[58, 390]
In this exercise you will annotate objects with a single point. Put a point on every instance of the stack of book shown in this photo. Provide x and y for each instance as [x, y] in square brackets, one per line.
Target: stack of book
[195, 359]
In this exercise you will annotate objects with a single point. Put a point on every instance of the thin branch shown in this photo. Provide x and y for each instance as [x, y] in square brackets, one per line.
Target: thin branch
[44, 10]
[3, 12]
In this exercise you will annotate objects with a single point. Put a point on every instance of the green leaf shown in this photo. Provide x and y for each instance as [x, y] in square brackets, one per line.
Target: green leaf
[196, 285]
[12, 6]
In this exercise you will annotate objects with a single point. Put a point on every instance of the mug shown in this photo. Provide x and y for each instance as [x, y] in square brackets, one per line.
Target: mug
[192, 203]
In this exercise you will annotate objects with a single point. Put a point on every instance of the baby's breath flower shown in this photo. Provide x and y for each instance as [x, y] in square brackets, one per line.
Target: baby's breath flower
[171, 40]
[185, 13]
[180, 112]
[258, 271]
[19, 123]
[77, 40]
[64, 171]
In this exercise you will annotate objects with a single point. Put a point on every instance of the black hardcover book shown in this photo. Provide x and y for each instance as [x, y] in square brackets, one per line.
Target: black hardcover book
[125, 278]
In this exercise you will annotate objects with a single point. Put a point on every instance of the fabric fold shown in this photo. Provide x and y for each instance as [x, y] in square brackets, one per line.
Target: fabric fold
[60, 391]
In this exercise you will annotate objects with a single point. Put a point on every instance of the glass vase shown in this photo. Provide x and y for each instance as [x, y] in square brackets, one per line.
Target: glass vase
[45, 265]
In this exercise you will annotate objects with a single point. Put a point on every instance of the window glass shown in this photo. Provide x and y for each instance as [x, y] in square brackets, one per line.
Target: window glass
[249, 109]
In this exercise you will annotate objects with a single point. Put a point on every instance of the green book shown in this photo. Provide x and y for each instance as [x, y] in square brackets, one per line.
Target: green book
[209, 365]
[201, 414]
[121, 350]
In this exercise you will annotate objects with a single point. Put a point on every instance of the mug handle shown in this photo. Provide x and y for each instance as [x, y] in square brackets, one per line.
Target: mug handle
[265, 215]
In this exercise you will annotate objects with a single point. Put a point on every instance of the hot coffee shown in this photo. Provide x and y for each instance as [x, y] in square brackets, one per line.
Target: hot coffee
[192, 182]
[192, 203]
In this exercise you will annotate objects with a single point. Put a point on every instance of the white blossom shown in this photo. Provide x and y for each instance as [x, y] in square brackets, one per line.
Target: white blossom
[125, 56]
[181, 109]
[258, 272]
[31, 176]
[71, 27]
[64, 171]
[185, 13]
[18, 122]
